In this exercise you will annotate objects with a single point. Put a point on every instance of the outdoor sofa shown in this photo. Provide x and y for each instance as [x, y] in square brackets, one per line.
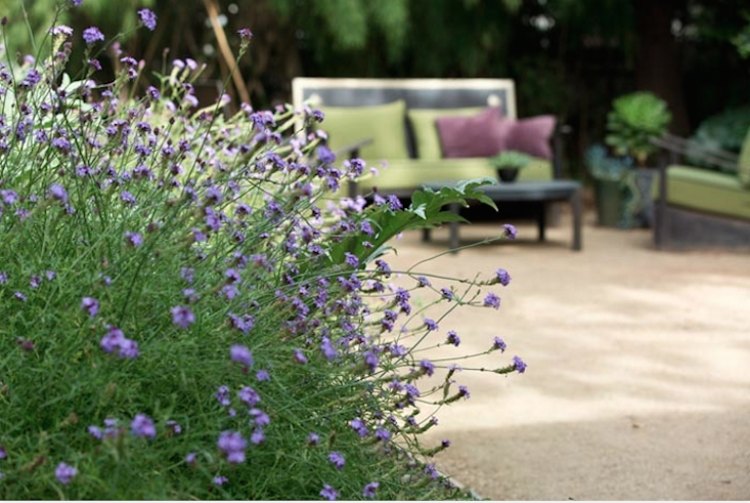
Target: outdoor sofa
[397, 119]
[701, 207]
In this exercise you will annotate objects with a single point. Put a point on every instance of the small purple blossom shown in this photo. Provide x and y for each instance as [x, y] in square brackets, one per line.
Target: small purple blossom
[453, 338]
[65, 473]
[174, 427]
[430, 324]
[90, 305]
[370, 490]
[191, 458]
[182, 316]
[58, 192]
[510, 231]
[431, 471]
[148, 18]
[427, 367]
[241, 354]
[502, 277]
[359, 426]
[233, 445]
[134, 239]
[519, 365]
[299, 356]
[248, 396]
[245, 34]
[220, 480]
[262, 375]
[313, 438]
[92, 35]
[463, 392]
[492, 300]
[3, 453]
[329, 493]
[498, 343]
[337, 460]
[143, 426]
[222, 395]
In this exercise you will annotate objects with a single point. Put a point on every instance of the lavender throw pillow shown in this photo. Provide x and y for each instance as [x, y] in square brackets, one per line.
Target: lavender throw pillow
[482, 135]
[531, 136]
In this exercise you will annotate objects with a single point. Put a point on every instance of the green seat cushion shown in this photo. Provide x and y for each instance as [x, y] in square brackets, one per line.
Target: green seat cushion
[743, 164]
[426, 137]
[413, 173]
[384, 124]
[710, 191]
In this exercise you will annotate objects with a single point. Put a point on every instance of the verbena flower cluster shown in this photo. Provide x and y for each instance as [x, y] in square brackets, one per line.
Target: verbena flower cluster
[189, 309]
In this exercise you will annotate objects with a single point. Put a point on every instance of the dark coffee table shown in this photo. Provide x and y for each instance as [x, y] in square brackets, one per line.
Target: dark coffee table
[542, 193]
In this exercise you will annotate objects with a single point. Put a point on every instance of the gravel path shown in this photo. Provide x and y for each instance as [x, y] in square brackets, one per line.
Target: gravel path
[638, 385]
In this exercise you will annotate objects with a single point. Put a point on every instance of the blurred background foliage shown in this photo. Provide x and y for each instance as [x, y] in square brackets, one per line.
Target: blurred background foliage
[568, 57]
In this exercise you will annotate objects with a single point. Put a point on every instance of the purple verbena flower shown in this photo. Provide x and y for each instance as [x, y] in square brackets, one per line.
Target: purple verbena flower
[519, 365]
[191, 458]
[382, 434]
[220, 480]
[329, 493]
[337, 459]
[313, 438]
[58, 192]
[65, 473]
[248, 396]
[430, 324]
[359, 426]
[370, 490]
[90, 305]
[233, 445]
[174, 427]
[245, 34]
[182, 316]
[92, 35]
[222, 395]
[502, 277]
[148, 18]
[498, 343]
[134, 239]
[492, 300]
[241, 354]
[299, 356]
[510, 231]
[427, 367]
[3, 453]
[262, 375]
[453, 338]
[257, 437]
[431, 471]
[143, 426]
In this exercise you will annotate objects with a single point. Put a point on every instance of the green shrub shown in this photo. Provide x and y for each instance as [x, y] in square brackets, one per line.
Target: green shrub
[186, 313]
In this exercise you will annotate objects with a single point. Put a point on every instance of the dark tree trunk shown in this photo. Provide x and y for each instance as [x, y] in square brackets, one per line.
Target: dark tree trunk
[657, 58]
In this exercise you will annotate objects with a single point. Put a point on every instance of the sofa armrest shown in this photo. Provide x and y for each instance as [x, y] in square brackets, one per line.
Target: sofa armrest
[558, 149]
[677, 148]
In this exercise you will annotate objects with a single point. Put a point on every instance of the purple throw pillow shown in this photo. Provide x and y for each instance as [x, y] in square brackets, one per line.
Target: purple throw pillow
[482, 135]
[531, 136]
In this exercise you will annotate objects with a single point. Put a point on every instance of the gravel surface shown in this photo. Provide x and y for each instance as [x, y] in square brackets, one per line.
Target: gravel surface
[638, 385]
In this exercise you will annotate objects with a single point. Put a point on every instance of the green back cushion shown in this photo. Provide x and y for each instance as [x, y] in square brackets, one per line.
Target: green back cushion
[426, 138]
[743, 168]
[384, 124]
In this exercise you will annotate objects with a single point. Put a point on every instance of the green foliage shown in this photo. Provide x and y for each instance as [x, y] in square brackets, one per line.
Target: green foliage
[635, 119]
[726, 130]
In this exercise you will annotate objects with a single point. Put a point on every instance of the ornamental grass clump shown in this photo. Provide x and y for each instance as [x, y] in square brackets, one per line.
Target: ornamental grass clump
[187, 310]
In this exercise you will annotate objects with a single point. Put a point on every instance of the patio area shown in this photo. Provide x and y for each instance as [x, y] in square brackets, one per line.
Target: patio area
[637, 384]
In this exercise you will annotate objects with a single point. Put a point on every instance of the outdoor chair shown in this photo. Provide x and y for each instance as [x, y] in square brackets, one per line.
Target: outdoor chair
[699, 206]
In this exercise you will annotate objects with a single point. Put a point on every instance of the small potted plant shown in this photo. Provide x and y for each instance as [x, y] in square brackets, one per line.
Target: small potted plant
[634, 121]
[508, 164]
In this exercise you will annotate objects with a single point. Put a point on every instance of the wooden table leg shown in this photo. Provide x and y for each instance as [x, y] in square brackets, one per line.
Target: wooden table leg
[426, 235]
[576, 205]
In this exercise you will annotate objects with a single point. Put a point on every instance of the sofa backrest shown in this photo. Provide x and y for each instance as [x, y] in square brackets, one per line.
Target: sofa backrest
[415, 93]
